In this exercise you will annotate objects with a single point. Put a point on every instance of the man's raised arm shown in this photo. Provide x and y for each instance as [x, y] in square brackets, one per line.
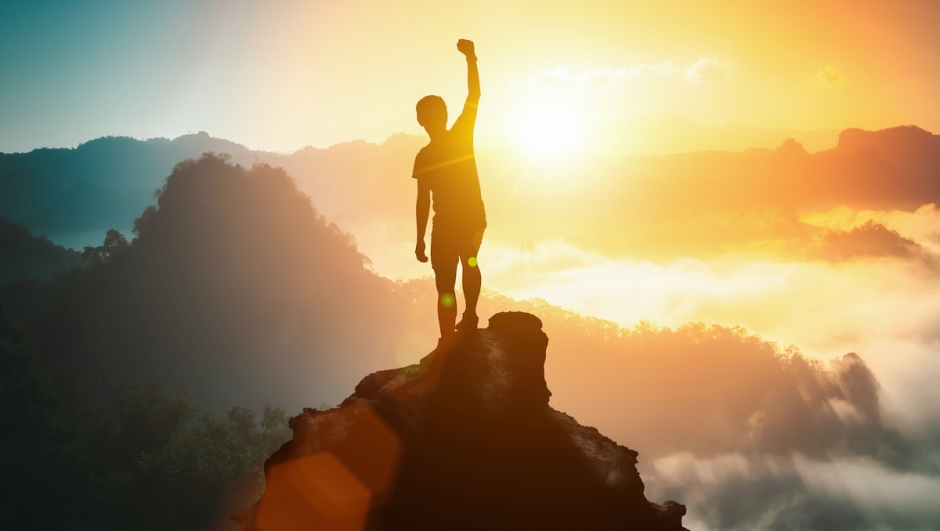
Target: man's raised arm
[473, 75]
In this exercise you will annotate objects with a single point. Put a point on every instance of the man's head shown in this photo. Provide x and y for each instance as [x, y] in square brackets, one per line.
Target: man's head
[432, 114]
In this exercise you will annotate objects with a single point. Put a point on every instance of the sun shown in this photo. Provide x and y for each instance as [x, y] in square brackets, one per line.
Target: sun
[549, 131]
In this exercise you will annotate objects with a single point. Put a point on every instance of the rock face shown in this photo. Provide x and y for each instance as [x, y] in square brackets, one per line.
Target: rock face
[465, 440]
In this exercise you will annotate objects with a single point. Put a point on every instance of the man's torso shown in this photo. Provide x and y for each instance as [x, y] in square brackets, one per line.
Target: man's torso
[449, 168]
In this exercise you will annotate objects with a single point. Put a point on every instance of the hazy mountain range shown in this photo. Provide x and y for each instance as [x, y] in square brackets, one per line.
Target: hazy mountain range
[648, 206]
[664, 133]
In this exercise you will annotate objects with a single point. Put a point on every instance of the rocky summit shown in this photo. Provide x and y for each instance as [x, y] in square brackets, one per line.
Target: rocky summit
[463, 440]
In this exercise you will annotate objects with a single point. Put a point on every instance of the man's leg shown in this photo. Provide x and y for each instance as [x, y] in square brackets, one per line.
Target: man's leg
[444, 259]
[446, 302]
[472, 279]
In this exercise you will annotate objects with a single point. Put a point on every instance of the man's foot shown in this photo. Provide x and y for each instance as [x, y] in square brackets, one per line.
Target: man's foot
[468, 323]
[444, 345]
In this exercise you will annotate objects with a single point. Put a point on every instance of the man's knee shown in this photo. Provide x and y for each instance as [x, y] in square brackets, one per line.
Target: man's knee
[470, 267]
[447, 299]
[445, 280]
[469, 250]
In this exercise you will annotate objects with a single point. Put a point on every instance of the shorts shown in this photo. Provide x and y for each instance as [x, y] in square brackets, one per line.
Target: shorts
[449, 246]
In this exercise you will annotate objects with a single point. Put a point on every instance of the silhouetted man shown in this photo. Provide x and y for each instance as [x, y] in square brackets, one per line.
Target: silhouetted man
[446, 170]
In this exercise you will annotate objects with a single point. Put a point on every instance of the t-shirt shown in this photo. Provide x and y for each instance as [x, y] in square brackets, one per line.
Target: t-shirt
[448, 166]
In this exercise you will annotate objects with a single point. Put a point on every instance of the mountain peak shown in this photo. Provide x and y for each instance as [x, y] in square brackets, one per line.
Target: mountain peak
[463, 440]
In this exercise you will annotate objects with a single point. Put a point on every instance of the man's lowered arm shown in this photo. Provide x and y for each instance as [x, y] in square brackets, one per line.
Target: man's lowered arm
[422, 209]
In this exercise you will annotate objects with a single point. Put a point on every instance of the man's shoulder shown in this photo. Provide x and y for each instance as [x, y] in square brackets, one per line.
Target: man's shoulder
[424, 152]
[460, 136]
[421, 161]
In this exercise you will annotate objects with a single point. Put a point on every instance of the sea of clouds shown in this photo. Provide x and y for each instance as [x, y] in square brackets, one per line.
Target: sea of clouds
[886, 309]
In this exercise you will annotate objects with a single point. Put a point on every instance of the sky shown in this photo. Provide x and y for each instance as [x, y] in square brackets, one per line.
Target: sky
[279, 75]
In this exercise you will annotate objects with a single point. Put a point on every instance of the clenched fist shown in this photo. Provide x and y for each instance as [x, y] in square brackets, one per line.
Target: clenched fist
[466, 47]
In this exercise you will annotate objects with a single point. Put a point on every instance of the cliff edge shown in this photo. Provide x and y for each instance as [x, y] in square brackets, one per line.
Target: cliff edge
[463, 440]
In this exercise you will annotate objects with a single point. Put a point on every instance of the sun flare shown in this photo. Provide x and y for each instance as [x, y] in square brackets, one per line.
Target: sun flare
[549, 131]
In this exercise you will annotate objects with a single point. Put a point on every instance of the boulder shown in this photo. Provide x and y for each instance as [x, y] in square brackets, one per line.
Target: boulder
[464, 440]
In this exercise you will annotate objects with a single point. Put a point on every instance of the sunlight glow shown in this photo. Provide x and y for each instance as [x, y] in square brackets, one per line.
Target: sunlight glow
[549, 131]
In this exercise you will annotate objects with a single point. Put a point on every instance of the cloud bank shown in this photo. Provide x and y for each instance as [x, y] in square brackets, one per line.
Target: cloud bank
[563, 79]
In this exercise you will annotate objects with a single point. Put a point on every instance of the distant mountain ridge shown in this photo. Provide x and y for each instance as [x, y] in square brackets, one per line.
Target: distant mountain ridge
[665, 133]
[74, 196]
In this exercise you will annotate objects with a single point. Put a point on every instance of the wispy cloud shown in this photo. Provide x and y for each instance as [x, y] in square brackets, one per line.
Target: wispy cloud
[828, 76]
[563, 79]
[707, 70]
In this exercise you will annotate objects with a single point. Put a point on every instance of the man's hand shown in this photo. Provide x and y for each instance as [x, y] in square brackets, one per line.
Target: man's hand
[419, 252]
[466, 47]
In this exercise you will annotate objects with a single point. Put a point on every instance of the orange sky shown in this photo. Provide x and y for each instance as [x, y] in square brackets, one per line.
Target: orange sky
[283, 74]
[338, 71]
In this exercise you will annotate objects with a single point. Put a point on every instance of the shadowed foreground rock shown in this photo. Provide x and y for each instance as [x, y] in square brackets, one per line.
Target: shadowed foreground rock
[465, 440]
